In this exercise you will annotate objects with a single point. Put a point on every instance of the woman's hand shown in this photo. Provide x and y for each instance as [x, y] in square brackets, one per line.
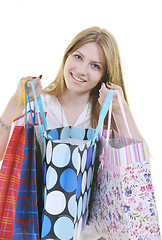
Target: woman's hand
[9, 112]
[117, 113]
[115, 102]
[38, 88]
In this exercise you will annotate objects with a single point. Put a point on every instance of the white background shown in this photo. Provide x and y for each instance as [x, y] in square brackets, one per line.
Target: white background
[35, 33]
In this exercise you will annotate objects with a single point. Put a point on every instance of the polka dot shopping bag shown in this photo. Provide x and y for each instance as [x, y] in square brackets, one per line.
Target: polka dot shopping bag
[69, 162]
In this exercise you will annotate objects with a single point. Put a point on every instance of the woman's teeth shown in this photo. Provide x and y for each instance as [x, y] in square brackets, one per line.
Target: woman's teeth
[78, 79]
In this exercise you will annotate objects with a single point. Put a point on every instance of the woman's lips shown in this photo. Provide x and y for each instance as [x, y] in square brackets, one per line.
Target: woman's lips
[78, 79]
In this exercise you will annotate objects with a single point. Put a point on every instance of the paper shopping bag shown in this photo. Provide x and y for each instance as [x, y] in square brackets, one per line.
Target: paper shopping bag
[18, 187]
[124, 204]
[69, 164]
[9, 181]
[28, 208]
[123, 201]
[26, 223]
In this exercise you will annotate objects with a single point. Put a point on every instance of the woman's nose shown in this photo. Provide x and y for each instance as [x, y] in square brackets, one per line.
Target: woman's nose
[82, 68]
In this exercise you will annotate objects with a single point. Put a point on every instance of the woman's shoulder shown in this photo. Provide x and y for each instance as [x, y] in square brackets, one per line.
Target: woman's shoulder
[49, 101]
[48, 98]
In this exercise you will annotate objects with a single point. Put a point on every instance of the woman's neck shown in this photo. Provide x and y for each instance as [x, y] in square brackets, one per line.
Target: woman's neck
[73, 105]
[69, 98]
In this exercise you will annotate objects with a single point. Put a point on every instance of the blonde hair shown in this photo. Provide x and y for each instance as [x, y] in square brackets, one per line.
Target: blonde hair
[113, 73]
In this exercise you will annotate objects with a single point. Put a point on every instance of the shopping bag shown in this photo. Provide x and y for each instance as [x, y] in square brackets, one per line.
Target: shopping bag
[18, 190]
[69, 162]
[123, 201]
[9, 181]
[26, 223]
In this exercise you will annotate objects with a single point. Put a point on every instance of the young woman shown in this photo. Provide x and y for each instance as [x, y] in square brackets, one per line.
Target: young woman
[90, 67]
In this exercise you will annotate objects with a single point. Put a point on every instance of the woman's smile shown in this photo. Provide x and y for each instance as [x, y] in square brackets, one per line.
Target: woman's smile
[78, 79]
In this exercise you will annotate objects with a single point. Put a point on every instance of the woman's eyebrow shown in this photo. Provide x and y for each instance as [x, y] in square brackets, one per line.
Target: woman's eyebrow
[79, 53]
[97, 62]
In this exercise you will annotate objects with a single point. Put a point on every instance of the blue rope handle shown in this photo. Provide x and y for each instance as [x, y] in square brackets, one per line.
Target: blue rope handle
[27, 96]
[42, 113]
[103, 113]
[39, 109]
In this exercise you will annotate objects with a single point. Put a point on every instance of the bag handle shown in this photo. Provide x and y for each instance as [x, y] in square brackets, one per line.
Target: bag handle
[123, 115]
[27, 96]
[22, 94]
[40, 111]
[39, 106]
[103, 113]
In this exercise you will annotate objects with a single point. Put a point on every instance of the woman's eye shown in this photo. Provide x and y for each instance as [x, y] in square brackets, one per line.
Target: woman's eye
[77, 56]
[95, 66]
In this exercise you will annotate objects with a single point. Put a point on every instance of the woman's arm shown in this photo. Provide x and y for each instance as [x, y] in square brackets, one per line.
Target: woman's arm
[117, 113]
[9, 112]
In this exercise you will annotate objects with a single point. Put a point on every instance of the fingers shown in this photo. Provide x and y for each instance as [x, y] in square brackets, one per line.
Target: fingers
[35, 79]
[115, 88]
[30, 78]
[38, 87]
[104, 91]
[38, 92]
[102, 94]
[37, 84]
[101, 102]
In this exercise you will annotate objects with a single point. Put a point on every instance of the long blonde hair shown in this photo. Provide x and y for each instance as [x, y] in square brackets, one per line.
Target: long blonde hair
[113, 73]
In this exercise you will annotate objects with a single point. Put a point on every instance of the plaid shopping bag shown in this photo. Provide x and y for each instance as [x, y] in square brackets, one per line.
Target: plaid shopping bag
[69, 162]
[123, 201]
[9, 181]
[29, 207]
[19, 208]
[26, 224]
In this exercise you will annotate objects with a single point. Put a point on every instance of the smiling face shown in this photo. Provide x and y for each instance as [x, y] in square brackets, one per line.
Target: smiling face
[84, 68]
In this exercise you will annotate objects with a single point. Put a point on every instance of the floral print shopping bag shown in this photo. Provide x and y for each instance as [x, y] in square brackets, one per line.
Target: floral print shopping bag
[123, 200]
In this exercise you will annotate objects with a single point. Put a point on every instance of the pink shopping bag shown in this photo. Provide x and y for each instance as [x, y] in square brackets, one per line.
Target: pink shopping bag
[123, 202]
